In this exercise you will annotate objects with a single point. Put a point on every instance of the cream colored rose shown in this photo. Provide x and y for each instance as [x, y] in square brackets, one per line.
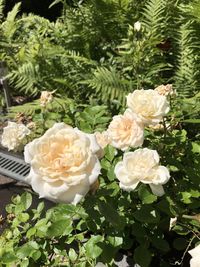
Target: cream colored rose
[165, 90]
[46, 97]
[195, 253]
[142, 165]
[149, 105]
[102, 139]
[126, 131]
[13, 135]
[63, 163]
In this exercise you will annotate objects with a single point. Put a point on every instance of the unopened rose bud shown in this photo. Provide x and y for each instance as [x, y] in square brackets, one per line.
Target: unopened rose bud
[137, 26]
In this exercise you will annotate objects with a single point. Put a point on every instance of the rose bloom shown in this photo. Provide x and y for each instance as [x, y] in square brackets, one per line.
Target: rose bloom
[195, 253]
[63, 163]
[165, 90]
[126, 131]
[102, 139]
[13, 135]
[142, 165]
[46, 97]
[149, 105]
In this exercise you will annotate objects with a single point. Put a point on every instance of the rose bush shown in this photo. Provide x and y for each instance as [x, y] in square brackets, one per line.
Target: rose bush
[137, 202]
[63, 163]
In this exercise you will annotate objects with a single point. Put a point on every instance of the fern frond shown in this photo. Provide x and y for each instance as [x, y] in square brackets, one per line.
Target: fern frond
[28, 109]
[9, 26]
[25, 78]
[109, 85]
[187, 66]
[2, 5]
[154, 14]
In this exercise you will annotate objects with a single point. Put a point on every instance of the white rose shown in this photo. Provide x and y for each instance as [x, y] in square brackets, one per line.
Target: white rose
[63, 163]
[13, 135]
[142, 165]
[137, 26]
[125, 131]
[195, 253]
[149, 105]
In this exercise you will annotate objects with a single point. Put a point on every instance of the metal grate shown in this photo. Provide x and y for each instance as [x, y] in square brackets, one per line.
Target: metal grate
[13, 167]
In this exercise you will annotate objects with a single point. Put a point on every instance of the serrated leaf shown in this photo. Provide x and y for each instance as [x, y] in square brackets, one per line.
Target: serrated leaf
[110, 153]
[60, 228]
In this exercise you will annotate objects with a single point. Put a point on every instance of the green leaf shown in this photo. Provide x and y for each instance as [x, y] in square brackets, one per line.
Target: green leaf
[111, 174]
[60, 228]
[27, 249]
[110, 153]
[142, 256]
[24, 263]
[93, 250]
[72, 255]
[111, 215]
[23, 217]
[145, 195]
[160, 243]
[180, 243]
[105, 164]
[181, 230]
[26, 200]
[115, 241]
[138, 230]
[8, 257]
[195, 147]
[41, 227]
[186, 197]
[147, 214]
[31, 232]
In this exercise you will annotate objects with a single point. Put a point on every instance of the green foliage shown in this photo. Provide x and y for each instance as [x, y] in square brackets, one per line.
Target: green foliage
[93, 56]
[92, 52]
